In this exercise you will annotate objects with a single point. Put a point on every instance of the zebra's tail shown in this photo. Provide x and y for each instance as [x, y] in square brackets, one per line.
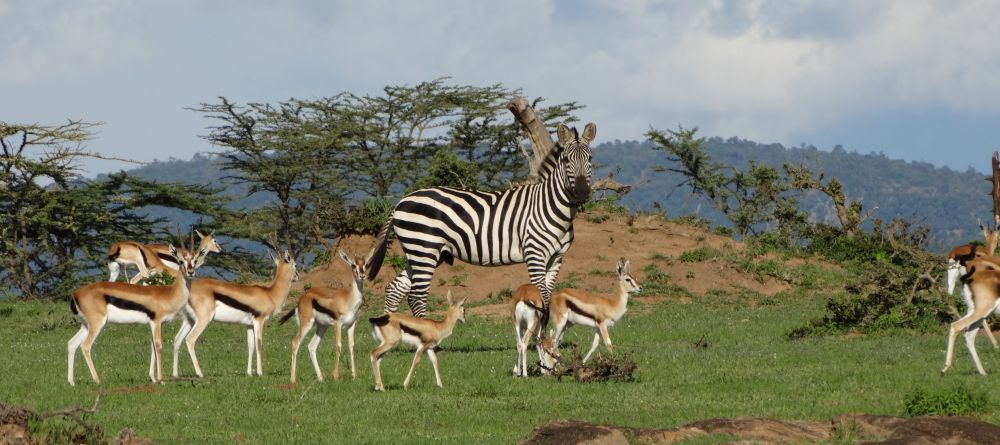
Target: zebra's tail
[377, 256]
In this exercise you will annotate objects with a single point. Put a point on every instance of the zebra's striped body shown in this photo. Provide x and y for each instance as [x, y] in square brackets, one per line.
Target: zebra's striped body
[530, 224]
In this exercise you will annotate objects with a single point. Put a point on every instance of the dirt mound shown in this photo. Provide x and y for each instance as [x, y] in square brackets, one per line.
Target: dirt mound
[854, 428]
[14, 421]
[588, 265]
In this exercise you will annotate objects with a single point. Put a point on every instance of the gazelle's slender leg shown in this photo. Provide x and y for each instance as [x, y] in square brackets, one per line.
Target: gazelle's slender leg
[192, 338]
[152, 359]
[182, 333]
[336, 359]
[970, 344]
[250, 349]
[593, 346]
[603, 329]
[376, 357]
[989, 333]
[517, 335]
[416, 359]
[97, 325]
[434, 361]
[114, 268]
[314, 346]
[961, 325]
[258, 328]
[72, 346]
[158, 349]
[296, 342]
[350, 347]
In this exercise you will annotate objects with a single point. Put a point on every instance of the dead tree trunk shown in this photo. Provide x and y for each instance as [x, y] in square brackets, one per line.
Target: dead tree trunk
[541, 140]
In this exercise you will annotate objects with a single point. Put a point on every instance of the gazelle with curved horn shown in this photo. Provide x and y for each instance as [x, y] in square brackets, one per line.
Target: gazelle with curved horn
[572, 306]
[325, 307]
[248, 305]
[422, 333]
[97, 304]
[148, 258]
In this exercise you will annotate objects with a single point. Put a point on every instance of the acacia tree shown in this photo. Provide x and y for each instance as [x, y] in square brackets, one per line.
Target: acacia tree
[748, 198]
[335, 165]
[55, 224]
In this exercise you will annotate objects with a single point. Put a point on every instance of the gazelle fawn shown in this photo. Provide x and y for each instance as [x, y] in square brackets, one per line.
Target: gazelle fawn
[97, 304]
[527, 310]
[248, 305]
[423, 333]
[325, 307]
[983, 283]
[572, 306]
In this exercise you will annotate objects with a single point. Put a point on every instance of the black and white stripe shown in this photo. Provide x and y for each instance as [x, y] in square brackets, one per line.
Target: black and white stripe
[530, 224]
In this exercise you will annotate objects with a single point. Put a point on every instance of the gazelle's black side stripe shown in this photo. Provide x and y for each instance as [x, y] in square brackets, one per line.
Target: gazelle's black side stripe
[129, 305]
[579, 310]
[235, 304]
[319, 308]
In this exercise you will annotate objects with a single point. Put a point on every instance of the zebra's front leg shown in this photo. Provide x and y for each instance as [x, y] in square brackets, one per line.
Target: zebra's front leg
[395, 291]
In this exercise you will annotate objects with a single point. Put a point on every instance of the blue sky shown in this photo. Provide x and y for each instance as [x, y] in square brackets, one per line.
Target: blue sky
[916, 80]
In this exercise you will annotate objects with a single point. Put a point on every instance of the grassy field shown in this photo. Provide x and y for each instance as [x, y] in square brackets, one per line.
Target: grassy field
[744, 367]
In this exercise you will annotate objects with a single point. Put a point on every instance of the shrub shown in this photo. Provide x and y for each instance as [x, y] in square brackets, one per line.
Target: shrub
[954, 401]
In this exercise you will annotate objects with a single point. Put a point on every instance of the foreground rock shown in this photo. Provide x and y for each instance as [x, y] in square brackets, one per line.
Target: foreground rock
[855, 428]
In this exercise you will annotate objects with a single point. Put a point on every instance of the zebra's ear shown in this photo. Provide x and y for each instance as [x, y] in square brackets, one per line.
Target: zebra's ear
[566, 135]
[589, 132]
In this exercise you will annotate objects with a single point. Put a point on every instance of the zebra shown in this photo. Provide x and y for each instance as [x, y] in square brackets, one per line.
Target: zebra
[530, 224]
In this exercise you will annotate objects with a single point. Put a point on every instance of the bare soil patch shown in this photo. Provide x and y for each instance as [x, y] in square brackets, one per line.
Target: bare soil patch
[853, 428]
[589, 264]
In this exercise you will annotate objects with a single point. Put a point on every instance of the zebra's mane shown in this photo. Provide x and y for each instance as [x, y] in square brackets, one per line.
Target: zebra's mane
[551, 160]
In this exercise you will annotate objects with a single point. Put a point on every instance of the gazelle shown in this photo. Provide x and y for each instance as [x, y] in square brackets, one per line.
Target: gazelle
[597, 311]
[423, 333]
[326, 306]
[958, 263]
[249, 305]
[527, 311]
[106, 302]
[984, 286]
[153, 257]
[967, 252]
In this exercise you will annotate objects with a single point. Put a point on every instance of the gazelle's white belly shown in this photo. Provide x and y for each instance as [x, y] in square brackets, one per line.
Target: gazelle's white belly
[228, 314]
[414, 341]
[575, 318]
[118, 315]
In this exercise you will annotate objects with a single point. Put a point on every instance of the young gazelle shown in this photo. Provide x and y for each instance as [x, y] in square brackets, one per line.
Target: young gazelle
[105, 302]
[423, 333]
[327, 306]
[984, 286]
[249, 305]
[527, 308]
[154, 257]
[597, 311]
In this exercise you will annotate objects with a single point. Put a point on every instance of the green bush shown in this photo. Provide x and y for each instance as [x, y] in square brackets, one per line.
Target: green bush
[954, 401]
[694, 256]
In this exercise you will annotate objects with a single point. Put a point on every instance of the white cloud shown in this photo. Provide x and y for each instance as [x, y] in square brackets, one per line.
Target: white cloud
[65, 42]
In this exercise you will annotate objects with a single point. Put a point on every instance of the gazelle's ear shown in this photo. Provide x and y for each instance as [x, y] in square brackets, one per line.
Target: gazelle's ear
[287, 256]
[200, 236]
[273, 257]
[448, 297]
[618, 268]
[589, 132]
[461, 302]
[565, 135]
[345, 258]
[627, 268]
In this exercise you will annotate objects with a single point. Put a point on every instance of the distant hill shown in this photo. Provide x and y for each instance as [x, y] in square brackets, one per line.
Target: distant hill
[948, 201]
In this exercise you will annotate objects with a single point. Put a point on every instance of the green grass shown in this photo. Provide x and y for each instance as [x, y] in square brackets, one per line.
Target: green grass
[695, 361]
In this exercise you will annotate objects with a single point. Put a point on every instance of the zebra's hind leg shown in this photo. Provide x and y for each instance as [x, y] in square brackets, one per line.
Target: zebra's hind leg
[395, 291]
[421, 284]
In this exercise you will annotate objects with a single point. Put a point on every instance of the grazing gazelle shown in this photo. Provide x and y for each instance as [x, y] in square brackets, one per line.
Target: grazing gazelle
[154, 257]
[327, 306]
[105, 302]
[983, 284]
[597, 311]
[249, 305]
[424, 334]
[527, 308]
